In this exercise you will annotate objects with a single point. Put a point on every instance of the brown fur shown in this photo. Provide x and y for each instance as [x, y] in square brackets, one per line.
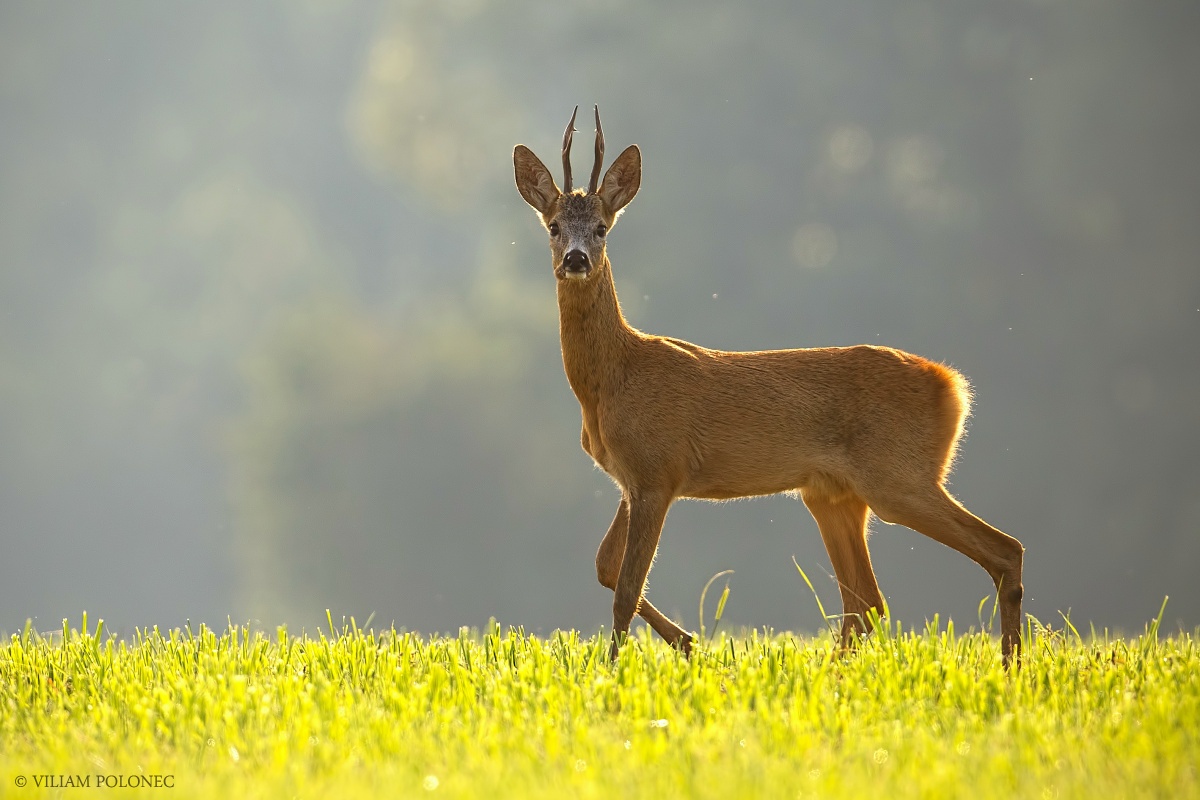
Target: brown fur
[849, 428]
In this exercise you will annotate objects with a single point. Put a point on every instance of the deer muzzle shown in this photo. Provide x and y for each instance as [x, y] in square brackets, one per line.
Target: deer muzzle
[576, 264]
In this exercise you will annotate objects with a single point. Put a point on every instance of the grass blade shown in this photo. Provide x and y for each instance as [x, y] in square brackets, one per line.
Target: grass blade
[704, 593]
[817, 597]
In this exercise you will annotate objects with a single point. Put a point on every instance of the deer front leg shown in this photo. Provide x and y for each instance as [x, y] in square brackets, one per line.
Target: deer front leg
[647, 512]
[608, 569]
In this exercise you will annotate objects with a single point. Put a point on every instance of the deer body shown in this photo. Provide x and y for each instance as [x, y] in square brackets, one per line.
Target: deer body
[849, 428]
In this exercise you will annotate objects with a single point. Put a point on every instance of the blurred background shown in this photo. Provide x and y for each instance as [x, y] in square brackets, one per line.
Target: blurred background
[277, 333]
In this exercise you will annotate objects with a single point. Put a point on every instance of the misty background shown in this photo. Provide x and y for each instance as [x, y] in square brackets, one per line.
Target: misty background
[277, 333]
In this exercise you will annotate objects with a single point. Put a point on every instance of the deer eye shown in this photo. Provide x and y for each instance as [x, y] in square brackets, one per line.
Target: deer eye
[601, 230]
[553, 226]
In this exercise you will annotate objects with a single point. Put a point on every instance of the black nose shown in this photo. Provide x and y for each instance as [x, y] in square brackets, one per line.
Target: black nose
[576, 261]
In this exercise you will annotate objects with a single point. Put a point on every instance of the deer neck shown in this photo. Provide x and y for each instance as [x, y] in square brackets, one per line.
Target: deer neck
[595, 337]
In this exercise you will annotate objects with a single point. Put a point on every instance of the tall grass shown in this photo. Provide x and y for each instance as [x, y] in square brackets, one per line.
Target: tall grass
[499, 713]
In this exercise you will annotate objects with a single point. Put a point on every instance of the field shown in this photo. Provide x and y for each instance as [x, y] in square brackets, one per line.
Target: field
[498, 713]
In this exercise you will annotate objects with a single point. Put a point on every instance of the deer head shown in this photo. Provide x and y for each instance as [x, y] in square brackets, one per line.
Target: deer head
[578, 220]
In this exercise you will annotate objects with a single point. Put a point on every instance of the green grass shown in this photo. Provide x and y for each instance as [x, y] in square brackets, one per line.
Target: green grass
[240, 714]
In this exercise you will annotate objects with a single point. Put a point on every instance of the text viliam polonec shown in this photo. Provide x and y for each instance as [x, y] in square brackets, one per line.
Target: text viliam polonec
[98, 780]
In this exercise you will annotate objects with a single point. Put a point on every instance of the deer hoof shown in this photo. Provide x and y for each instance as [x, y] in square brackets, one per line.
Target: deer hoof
[684, 645]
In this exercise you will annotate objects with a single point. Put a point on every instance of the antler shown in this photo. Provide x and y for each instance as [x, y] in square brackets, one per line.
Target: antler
[599, 154]
[566, 151]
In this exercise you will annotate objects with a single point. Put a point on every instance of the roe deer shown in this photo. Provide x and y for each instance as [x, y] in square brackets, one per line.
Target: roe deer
[851, 429]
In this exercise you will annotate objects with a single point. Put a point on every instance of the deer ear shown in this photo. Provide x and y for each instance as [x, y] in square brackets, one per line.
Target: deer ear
[622, 180]
[534, 181]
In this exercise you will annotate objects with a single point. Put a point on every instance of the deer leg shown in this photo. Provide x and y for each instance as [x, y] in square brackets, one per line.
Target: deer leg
[843, 524]
[608, 568]
[940, 517]
[647, 512]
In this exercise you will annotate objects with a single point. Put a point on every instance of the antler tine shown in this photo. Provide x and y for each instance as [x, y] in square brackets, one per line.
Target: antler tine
[592, 184]
[566, 151]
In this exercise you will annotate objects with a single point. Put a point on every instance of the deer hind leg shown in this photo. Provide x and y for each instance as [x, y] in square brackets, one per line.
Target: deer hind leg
[608, 570]
[939, 516]
[843, 524]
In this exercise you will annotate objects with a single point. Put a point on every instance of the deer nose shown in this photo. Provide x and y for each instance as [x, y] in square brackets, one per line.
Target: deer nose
[576, 261]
